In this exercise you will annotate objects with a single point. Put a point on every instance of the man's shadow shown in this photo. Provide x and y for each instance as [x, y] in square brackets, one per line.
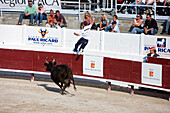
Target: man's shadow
[53, 89]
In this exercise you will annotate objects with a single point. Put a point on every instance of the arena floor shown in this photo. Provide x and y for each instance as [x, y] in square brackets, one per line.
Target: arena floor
[23, 96]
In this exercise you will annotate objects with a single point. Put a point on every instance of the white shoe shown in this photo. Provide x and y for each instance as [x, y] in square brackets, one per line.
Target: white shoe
[81, 51]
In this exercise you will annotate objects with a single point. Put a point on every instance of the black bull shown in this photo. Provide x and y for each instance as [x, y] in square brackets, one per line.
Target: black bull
[60, 74]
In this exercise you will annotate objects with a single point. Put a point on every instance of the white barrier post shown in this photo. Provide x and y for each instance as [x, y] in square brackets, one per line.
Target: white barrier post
[23, 33]
[32, 77]
[63, 34]
[142, 36]
[102, 40]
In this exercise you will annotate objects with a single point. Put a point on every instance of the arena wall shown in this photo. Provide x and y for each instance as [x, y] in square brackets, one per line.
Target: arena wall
[108, 56]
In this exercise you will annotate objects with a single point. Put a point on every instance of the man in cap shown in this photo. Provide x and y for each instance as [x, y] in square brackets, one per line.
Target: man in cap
[29, 13]
[152, 52]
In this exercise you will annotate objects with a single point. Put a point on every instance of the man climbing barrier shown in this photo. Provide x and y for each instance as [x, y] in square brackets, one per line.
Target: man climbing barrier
[85, 36]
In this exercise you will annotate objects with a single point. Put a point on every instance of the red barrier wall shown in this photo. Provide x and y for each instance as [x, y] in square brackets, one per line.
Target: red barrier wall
[114, 69]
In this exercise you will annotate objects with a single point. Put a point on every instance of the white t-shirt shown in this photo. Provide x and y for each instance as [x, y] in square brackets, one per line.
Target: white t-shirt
[86, 32]
[116, 29]
[149, 1]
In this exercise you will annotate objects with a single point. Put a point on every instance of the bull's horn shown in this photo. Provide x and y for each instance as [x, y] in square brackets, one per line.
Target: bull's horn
[46, 60]
[53, 59]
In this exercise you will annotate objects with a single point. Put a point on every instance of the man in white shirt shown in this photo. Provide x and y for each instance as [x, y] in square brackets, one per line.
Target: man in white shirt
[115, 27]
[85, 36]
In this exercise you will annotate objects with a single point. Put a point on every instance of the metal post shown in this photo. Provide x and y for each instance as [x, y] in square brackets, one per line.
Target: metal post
[79, 10]
[1, 12]
[155, 9]
[98, 5]
[32, 77]
[116, 6]
[109, 86]
[111, 4]
[132, 90]
[107, 4]
[104, 4]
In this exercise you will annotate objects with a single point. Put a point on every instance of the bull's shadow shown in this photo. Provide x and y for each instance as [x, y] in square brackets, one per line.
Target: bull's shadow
[53, 89]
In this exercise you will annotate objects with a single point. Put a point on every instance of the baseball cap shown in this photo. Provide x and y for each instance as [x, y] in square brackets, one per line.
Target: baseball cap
[152, 48]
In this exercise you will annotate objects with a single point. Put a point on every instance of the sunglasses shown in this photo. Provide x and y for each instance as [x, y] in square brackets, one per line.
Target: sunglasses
[137, 16]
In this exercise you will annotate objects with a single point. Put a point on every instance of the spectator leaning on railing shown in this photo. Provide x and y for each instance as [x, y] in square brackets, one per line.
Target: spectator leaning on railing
[29, 12]
[40, 13]
[149, 2]
[137, 24]
[110, 28]
[150, 26]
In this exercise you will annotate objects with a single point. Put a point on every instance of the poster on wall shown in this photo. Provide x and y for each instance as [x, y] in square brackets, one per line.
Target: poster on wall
[14, 5]
[151, 74]
[162, 45]
[43, 36]
[93, 65]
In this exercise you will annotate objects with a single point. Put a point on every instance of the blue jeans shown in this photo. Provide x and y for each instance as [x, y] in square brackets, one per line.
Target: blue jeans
[167, 26]
[41, 16]
[138, 7]
[108, 28]
[22, 15]
[83, 43]
[152, 32]
[136, 30]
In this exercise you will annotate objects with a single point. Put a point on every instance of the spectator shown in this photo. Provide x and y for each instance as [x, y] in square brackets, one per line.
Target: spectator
[150, 26]
[167, 11]
[50, 20]
[149, 2]
[110, 28]
[166, 27]
[59, 19]
[115, 27]
[137, 24]
[87, 18]
[137, 2]
[152, 52]
[103, 23]
[41, 14]
[160, 10]
[29, 12]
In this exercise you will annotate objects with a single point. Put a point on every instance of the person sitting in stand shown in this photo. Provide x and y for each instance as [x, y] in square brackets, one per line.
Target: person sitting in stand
[29, 13]
[137, 24]
[110, 28]
[115, 27]
[152, 52]
[150, 26]
[50, 19]
[161, 10]
[166, 26]
[59, 19]
[103, 23]
[40, 13]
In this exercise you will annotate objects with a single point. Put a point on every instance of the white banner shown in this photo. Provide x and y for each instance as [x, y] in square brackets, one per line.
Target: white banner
[152, 74]
[21, 4]
[93, 65]
[162, 45]
[43, 36]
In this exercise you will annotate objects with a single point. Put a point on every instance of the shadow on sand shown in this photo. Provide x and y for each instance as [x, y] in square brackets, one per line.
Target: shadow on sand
[54, 89]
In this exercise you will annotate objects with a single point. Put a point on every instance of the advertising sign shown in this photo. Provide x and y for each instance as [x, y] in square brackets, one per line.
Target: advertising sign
[161, 44]
[93, 65]
[43, 36]
[21, 4]
[152, 74]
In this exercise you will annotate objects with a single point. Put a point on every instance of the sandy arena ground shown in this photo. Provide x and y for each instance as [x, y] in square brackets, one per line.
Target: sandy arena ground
[23, 96]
